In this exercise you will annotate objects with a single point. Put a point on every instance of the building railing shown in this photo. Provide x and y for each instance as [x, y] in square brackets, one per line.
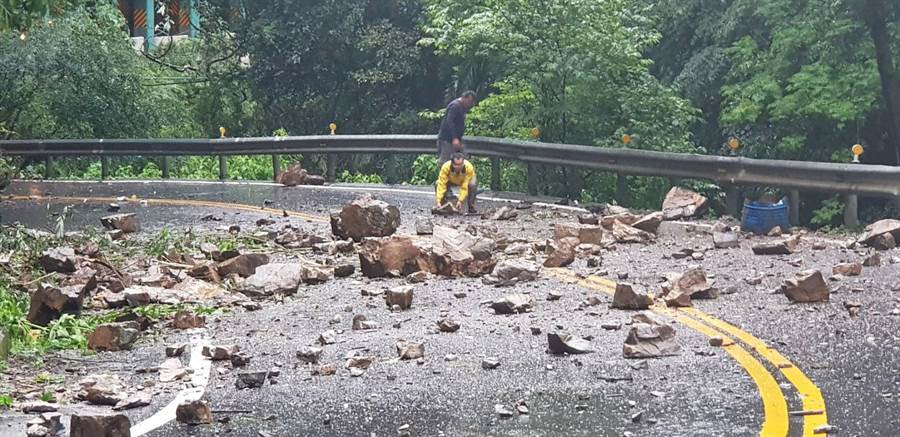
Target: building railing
[731, 172]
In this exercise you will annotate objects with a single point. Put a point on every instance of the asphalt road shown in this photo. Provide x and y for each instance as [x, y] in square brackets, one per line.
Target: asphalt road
[851, 361]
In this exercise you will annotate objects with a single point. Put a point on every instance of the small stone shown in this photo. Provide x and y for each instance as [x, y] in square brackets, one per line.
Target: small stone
[716, 341]
[490, 363]
[113, 336]
[503, 411]
[39, 407]
[460, 295]
[873, 260]
[309, 354]
[188, 320]
[137, 400]
[240, 359]
[410, 351]
[847, 269]
[175, 350]
[514, 304]
[220, 352]
[401, 297]
[448, 325]
[554, 295]
[250, 380]
[328, 337]
[568, 344]
[417, 277]
[96, 426]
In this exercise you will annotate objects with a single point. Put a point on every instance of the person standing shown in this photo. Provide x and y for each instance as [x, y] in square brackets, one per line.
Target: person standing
[453, 126]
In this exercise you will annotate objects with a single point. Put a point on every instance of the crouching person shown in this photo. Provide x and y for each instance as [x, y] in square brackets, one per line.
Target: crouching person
[458, 171]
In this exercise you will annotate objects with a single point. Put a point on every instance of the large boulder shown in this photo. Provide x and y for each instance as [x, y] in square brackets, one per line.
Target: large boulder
[626, 298]
[681, 203]
[243, 265]
[50, 302]
[127, 223]
[365, 217]
[807, 286]
[585, 234]
[390, 256]
[679, 290]
[59, 260]
[650, 337]
[293, 176]
[876, 234]
[457, 254]
[275, 278]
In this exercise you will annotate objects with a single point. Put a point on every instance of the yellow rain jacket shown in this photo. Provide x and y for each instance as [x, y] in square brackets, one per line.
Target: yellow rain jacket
[462, 179]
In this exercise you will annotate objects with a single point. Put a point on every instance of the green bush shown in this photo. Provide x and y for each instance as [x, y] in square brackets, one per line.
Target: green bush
[359, 178]
[829, 214]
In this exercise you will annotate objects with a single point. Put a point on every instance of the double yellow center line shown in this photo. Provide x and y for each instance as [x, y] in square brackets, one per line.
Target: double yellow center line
[776, 422]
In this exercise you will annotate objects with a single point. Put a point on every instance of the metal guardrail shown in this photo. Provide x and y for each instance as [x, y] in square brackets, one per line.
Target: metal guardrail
[850, 179]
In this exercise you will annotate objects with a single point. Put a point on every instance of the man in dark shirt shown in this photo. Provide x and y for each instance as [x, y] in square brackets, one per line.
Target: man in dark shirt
[453, 127]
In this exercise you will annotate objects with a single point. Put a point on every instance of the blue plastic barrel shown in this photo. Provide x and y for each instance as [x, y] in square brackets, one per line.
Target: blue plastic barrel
[760, 218]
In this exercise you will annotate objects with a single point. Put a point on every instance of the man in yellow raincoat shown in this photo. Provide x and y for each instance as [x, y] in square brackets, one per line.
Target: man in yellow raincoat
[458, 171]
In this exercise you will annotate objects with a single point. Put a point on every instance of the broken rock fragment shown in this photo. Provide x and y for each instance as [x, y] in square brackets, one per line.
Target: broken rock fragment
[365, 217]
[650, 222]
[514, 304]
[807, 286]
[400, 296]
[513, 271]
[681, 203]
[725, 240]
[194, 413]
[503, 213]
[309, 354]
[127, 223]
[250, 379]
[692, 284]
[100, 426]
[275, 278]
[59, 260]
[114, 336]
[785, 246]
[881, 235]
[650, 337]
[50, 302]
[457, 254]
[627, 299]
[220, 352]
[243, 265]
[567, 344]
[410, 351]
[847, 269]
[188, 320]
[391, 256]
[624, 233]
[563, 253]
[585, 234]
[448, 325]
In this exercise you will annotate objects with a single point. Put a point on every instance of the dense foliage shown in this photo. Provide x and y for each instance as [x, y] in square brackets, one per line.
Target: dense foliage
[791, 80]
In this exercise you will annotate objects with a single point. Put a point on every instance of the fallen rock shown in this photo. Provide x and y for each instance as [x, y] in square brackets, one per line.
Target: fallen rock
[627, 299]
[445, 210]
[391, 256]
[567, 344]
[692, 284]
[46, 425]
[275, 278]
[876, 234]
[102, 389]
[137, 400]
[188, 320]
[100, 426]
[514, 304]
[311, 273]
[220, 352]
[424, 227]
[361, 363]
[365, 217]
[59, 260]
[513, 271]
[775, 231]
[127, 223]
[314, 179]
[681, 203]
[361, 323]
[172, 370]
[785, 246]
[293, 176]
[725, 240]
[650, 222]
[563, 253]
[243, 265]
[853, 307]
[503, 213]
[33, 407]
[490, 363]
[344, 270]
[309, 354]
[417, 277]
[847, 269]
[588, 219]
[624, 233]
[626, 218]
[585, 234]
[873, 260]
[650, 337]
[448, 325]
[250, 380]
[807, 286]
[400, 296]
[206, 271]
[457, 254]
[175, 350]
[193, 413]
[410, 351]
[328, 337]
[114, 336]
[49, 302]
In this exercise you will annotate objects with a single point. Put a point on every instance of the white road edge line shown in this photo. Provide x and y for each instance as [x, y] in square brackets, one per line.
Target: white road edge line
[201, 367]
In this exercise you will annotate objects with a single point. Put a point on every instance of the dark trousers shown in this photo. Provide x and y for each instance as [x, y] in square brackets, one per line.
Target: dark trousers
[445, 151]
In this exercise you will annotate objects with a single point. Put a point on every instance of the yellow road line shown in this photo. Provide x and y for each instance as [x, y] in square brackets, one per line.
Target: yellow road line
[176, 202]
[776, 422]
[811, 395]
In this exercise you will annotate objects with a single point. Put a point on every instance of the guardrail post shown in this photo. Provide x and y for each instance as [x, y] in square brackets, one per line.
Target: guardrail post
[330, 166]
[276, 166]
[732, 201]
[851, 216]
[532, 179]
[223, 168]
[104, 168]
[165, 167]
[390, 170]
[622, 189]
[48, 167]
[794, 207]
[495, 174]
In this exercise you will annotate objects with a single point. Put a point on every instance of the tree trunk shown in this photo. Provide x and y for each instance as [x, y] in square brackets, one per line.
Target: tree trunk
[875, 15]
